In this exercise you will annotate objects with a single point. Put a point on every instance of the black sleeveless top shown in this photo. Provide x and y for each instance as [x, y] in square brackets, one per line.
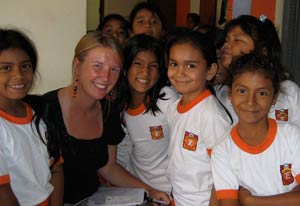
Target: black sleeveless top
[83, 158]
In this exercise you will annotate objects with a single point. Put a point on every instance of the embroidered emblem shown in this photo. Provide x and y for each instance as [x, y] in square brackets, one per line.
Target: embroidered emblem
[190, 141]
[282, 114]
[286, 174]
[156, 132]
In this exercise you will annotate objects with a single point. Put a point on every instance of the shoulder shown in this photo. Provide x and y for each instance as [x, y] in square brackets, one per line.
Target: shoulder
[289, 88]
[52, 95]
[170, 93]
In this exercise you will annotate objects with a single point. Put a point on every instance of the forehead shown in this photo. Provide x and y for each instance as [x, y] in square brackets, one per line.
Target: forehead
[186, 51]
[114, 22]
[13, 53]
[103, 54]
[144, 12]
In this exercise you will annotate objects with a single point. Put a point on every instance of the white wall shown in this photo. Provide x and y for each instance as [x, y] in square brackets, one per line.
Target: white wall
[55, 26]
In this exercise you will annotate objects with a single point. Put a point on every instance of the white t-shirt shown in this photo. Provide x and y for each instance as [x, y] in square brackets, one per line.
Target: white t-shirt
[195, 129]
[271, 168]
[149, 137]
[286, 109]
[24, 160]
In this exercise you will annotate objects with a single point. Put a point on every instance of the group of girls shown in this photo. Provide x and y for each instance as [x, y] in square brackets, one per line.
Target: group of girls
[179, 139]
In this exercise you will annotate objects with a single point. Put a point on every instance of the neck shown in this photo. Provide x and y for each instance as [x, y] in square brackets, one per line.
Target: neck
[136, 101]
[253, 134]
[14, 108]
[80, 103]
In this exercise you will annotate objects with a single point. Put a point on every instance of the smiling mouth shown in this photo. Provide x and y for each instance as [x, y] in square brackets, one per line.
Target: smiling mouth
[17, 86]
[143, 81]
[100, 86]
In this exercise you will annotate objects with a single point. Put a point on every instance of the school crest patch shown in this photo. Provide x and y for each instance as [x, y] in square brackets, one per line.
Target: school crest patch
[286, 174]
[156, 132]
[190, 141]
[282, 115]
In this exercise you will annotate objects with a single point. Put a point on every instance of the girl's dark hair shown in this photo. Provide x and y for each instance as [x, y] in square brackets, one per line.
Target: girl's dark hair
[118, 17]
[197, 40]
[133, 46]
[148, 6]
[14, 39]
[264, 35]
[254, 62]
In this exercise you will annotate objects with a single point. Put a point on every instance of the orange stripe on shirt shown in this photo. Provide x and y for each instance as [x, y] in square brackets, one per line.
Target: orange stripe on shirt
[4, 179]
[227, 194]
[184, 108]
[137, 111]
[18, 120]
[44, 203]
[267, 142]
[298, 179]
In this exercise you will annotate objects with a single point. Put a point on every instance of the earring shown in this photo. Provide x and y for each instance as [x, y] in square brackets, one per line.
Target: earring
[75, 88]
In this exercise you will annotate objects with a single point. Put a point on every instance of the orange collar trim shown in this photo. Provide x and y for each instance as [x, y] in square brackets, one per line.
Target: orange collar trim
[134, 112]
[184, 108]
[18, 120]
[258, 148]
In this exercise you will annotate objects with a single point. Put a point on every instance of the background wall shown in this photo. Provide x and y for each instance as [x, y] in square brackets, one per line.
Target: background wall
[55, 27]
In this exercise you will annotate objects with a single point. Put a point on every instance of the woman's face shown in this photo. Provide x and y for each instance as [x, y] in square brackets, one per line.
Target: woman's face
[116, 28]
[98, 72]
[237, 44]
[146, 22]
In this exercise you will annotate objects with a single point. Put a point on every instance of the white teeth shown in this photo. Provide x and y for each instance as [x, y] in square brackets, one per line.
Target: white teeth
[18, 86]
[100, 86]
[144, 81]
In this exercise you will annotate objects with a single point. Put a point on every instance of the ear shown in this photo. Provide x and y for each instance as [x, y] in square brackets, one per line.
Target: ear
[75, 65]
[212, 71]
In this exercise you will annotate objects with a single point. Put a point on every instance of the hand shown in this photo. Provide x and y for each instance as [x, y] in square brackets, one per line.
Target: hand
[158, 195]
[244, 196]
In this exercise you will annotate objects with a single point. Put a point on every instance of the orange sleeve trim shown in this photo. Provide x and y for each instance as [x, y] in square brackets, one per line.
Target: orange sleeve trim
[209, 151]
[227, 194]
[298, 179]
[258, 148]
[184, 108]
[18, 120]
[44, 203]
[4, 179]
[137, 111]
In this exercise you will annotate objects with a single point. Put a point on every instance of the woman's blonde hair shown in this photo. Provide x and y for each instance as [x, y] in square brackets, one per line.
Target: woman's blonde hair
[97, 39]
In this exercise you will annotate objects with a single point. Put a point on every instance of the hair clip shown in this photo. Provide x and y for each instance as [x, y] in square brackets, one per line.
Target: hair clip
[262, 18]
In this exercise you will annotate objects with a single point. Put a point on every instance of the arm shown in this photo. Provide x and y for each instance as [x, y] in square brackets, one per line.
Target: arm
[288, 198]
[57, 180]
[117, 175]
[213, 198]
[7, 197]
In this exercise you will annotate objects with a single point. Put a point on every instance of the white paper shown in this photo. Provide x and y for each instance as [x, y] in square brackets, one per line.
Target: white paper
[117, 196]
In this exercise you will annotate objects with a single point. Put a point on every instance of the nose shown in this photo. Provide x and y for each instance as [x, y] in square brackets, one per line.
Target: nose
[148, 24]
[105, 75]
[17, 72]
[251, 98]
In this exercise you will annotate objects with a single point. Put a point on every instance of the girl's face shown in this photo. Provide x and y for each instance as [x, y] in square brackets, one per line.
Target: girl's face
[252, 95]
[98, 72]
[145, 22]
[188, 71]
[115, 28]
[16, 75]
[143, 73]
[237, 44]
